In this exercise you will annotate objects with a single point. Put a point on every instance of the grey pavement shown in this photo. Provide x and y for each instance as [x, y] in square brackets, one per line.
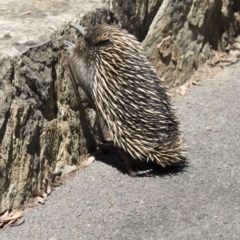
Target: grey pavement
[200, 202]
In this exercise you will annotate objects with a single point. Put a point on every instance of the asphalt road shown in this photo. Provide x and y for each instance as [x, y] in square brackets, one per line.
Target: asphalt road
[200, 202]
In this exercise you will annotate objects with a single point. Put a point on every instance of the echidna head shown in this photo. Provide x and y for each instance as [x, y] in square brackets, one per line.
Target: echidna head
[95, 36]
[103, 35]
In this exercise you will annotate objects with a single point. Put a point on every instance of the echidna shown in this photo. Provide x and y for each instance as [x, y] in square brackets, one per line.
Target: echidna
[116, 75]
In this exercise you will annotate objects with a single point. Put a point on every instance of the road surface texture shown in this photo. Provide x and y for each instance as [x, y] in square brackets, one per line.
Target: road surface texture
[200, 202]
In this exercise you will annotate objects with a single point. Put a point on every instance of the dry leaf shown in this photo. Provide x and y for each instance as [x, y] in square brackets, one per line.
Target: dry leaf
[25, 13]
[47, 187]
[88, 161]
[10, 222]
[183, 90]
[9, 217]
[236, 45]
[44, 195]
[37, 193]
[15, 215]
[219, 55]
[55, 175]
[194, 82]
[18, 222]
[40, 200]
[4, 216]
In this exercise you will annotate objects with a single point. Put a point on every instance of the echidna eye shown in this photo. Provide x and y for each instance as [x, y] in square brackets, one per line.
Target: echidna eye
[103, 43]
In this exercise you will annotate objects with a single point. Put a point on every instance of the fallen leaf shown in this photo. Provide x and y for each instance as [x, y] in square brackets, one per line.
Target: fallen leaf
[182, 90]
[37, 193]
[9, 217]
[236, 45]
[40, 200]
[44, 195]
[15, 215]
[18, 222]
[47, 187]
[219, 55]
[11, 222]
[4, 216]
[88, 161]
[25, 13]
[55, 175]
[194, 82]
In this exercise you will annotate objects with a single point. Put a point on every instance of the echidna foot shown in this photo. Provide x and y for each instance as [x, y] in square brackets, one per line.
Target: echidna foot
[69, 45]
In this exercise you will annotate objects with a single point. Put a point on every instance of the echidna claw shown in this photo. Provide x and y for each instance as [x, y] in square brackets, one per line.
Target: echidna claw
[80, 28]
[69, 45]
[145, 173]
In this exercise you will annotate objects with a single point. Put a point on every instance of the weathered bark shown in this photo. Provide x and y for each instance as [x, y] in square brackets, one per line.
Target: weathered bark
[182, 33]
[44, 127]
[135, 15]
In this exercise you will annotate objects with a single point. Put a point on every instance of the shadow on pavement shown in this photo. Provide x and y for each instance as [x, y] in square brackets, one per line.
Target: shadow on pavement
[113, 158]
